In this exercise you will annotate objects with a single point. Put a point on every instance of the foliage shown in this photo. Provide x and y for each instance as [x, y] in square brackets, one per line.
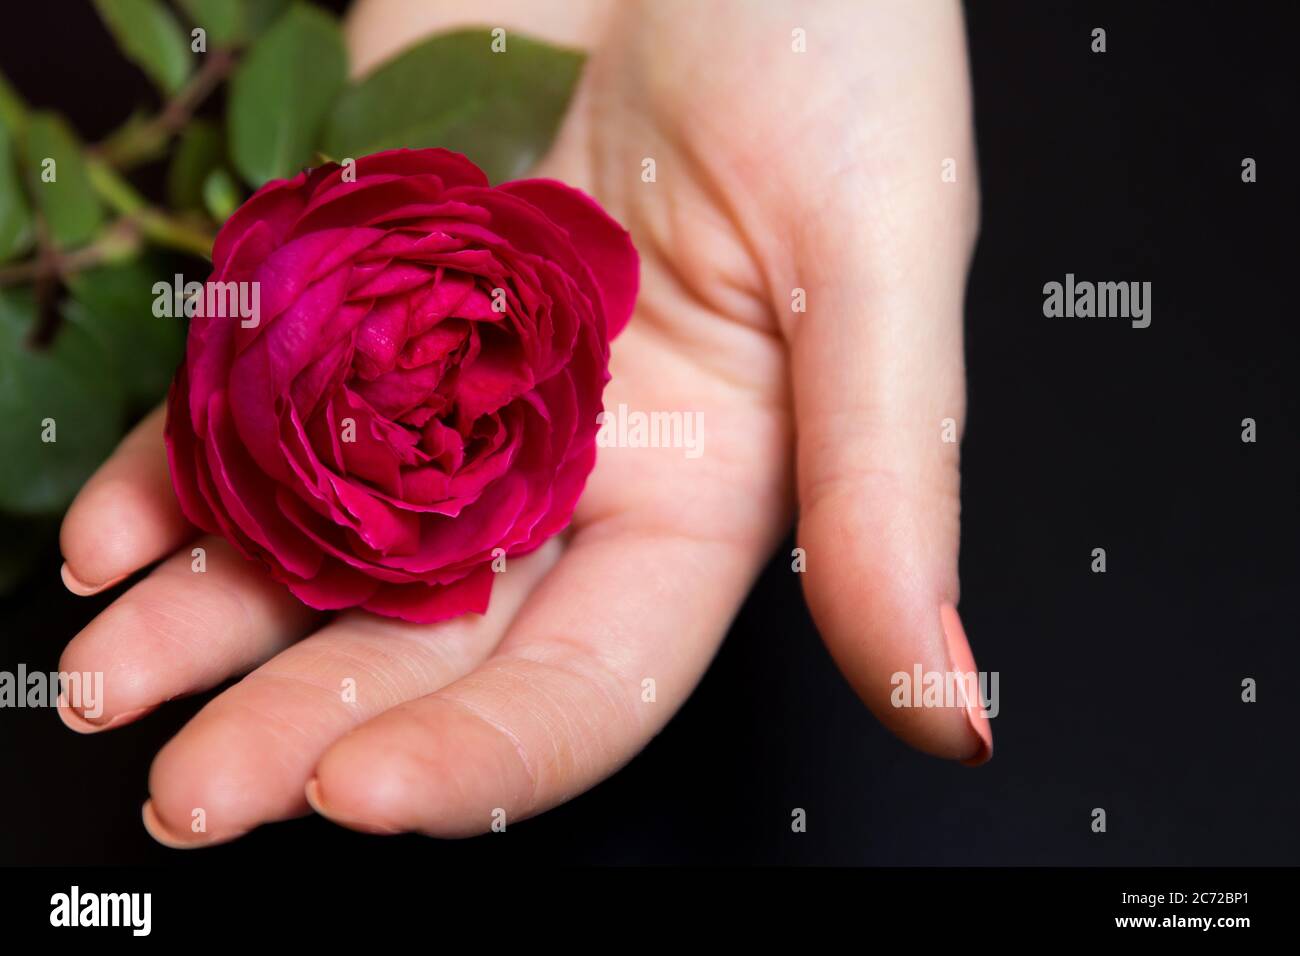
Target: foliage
[82, 353]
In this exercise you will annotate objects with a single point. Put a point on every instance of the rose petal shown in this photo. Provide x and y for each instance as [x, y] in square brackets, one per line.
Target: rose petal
[604, 245]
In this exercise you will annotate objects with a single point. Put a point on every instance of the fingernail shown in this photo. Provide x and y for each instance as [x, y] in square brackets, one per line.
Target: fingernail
[155, 828]
[80, 587]
[963, 662]
[312, 792]
[77, 720]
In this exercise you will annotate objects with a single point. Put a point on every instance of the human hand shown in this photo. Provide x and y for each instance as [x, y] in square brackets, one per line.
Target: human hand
[774, 171]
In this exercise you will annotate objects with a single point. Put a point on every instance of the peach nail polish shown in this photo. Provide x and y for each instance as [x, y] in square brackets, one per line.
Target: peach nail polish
[81, 588]
[79, 722]
[312, 793]
[962, 661]
[155, 828]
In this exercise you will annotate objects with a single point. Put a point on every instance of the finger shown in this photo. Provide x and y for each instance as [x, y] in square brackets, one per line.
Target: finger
[247, 756]
[126, 516]
[880, 402]
[181, 631]
[603, 653]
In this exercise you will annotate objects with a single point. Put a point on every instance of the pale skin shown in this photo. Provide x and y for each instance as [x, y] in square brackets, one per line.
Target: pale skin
[775, 171]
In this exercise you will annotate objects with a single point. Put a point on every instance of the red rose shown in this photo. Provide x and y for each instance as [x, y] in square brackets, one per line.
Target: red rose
[419, 387]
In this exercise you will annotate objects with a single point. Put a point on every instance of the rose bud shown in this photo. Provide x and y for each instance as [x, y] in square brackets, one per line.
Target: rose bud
[419, 389]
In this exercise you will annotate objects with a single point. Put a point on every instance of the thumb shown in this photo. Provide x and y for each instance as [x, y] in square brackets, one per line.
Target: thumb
[880, 401]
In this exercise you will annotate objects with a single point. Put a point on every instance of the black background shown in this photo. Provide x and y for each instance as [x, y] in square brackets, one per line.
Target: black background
[1118, 690]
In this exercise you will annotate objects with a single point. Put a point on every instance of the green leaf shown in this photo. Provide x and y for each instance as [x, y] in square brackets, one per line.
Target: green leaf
[225, 21]
[200, 151]
[500, 109]
[113, 305]
[263, 14]
[13, 112]
[68, 200]
[282, 93]
[16, 233]
[232, 23]
[151, 38]
[221, 195]
[68, 385]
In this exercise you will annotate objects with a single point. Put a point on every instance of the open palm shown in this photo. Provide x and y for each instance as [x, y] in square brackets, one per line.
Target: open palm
[803, 264]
